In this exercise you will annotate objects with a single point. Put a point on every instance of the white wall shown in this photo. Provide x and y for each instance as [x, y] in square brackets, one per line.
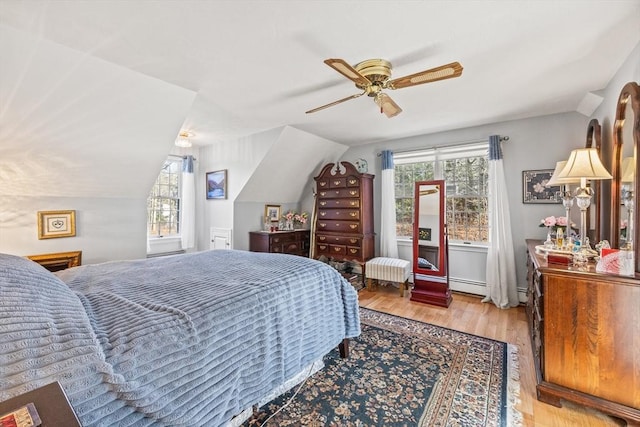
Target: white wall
[272, 167]
[79, 133]
[106, 228]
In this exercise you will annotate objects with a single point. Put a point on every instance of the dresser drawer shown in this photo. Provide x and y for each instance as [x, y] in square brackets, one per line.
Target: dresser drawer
[291, 247]
[339, 203]
[338, 193]
[339, 240]
[282, 238]
[343, 226]
[350, 214]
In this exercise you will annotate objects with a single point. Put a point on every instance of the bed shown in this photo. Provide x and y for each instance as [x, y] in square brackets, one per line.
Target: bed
[191, 339]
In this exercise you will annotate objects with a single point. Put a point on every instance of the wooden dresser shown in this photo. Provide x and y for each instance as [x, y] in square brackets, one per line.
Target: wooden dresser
[284, 242]
[344, 215]
[59, 260]
[585, 335]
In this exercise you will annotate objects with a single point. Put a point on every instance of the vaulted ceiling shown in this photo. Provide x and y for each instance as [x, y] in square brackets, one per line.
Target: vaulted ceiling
[258, 65]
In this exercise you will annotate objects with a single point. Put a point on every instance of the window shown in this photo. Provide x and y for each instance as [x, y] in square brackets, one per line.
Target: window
[163, 204]
[465, 170]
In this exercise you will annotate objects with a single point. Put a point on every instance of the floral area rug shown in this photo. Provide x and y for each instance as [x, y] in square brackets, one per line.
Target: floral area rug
[403, 372]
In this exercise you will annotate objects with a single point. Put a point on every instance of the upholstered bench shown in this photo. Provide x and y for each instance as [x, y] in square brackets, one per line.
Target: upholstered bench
[384, 269]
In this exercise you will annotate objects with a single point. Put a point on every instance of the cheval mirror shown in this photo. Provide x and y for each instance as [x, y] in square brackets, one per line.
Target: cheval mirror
[624, 188]
[430, 245]
[594, 215]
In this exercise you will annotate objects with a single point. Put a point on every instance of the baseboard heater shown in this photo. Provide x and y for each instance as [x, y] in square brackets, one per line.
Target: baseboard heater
[159, 254]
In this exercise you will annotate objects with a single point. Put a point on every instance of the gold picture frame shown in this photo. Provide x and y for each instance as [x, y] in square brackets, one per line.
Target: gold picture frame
[54, 224]
[272, 212]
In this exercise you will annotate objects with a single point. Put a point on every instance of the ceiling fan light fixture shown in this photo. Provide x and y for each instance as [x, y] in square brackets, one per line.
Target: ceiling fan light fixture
[373, 75]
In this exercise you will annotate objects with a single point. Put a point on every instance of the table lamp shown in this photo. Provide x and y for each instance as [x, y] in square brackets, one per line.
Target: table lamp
[584, 164]
[567, 198]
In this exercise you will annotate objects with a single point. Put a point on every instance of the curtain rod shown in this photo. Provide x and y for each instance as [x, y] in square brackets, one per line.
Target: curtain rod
[475, 141]
[181, 157]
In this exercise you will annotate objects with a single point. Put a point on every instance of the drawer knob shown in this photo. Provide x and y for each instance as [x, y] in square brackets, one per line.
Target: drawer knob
[337, 249]
[352, 181]
[323, 213]
[323, 193]
[336, 182]
[353, 192]
[322, 184]
[353, 240]
[353, 226]
[322, 224]
[353, 214]
[353, 251]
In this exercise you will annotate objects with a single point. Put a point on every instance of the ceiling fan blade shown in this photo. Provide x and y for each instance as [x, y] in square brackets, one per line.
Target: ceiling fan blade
[347, 70]
[336, 102]
[447, 71]
[387, 106]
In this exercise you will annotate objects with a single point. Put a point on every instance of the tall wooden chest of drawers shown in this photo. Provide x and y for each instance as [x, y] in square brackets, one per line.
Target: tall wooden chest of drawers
[295, 242]
[344, 214]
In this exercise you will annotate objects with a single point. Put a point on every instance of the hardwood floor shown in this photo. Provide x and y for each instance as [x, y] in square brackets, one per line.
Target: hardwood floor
[468, 314]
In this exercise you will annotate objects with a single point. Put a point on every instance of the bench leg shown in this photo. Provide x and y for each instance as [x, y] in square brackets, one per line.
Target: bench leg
[370, 284]
[402, 287]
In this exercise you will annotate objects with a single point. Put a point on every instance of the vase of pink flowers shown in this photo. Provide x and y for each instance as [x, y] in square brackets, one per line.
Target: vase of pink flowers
[300, 220]
[294, 220]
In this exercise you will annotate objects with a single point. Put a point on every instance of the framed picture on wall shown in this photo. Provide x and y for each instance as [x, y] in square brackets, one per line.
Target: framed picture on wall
[535, 190]
[272, 212]
[52, 224]
[217, 184]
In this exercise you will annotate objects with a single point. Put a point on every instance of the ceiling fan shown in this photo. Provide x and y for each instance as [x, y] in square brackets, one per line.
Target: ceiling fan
[373, 75]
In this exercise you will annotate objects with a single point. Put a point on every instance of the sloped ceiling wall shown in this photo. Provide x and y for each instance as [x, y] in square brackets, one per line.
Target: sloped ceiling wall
[290, 165]
[72, 125]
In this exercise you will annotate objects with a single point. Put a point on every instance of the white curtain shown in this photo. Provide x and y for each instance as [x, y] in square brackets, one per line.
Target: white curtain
[501, 266]
[188, 200]
[388, 241]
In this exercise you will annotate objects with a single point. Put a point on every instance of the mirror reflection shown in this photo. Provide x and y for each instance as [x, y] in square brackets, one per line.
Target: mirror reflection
[624, 189]
[429, 227]
[627, 180]
[430, 249]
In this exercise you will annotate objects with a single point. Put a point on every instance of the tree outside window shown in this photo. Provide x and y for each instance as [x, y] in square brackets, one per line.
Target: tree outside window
[163, 203]
[466, 178]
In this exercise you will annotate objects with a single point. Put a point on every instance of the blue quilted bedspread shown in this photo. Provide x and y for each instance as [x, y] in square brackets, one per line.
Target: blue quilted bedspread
[184, 340]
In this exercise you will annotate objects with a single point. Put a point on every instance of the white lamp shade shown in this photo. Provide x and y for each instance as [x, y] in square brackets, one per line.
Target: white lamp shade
[628, 169]
[555, 180]
[584, 163]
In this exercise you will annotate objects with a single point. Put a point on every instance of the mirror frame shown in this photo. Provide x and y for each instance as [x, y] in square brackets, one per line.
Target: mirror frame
[630, 93]
[442, 257]
[594, 140]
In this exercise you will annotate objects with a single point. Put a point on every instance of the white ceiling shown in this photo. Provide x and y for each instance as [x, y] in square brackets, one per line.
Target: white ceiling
[257, 65]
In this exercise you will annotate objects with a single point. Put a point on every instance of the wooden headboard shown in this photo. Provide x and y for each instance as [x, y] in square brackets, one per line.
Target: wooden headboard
[58, 261]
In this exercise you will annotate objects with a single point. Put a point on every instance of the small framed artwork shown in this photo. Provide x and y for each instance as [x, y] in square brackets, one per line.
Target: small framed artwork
[535, 190]
[52, 224]
[217, 184]
[272, 212]
[424, 234]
